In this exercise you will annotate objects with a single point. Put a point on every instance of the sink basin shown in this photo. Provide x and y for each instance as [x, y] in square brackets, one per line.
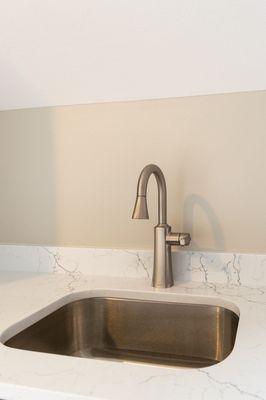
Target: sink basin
[167, 333]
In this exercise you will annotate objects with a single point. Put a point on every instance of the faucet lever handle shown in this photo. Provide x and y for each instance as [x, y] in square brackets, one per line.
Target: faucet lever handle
[178, 239]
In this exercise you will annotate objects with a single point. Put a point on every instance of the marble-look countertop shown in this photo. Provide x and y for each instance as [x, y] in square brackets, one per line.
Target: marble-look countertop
[26, 297]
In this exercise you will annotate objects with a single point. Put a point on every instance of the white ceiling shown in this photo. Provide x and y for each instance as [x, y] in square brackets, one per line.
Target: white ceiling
[82, 51]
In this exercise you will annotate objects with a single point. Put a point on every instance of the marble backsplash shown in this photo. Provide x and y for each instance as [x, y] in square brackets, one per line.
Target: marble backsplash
[207, 267]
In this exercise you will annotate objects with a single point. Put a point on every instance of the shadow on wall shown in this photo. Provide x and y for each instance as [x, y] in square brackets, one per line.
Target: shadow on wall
[191, 203]
[27, 177]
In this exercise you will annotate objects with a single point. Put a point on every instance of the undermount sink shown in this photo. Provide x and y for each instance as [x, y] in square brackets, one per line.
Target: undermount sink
[166, 333]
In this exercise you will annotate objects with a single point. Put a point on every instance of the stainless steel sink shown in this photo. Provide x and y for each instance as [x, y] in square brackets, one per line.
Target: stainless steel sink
[177, 334]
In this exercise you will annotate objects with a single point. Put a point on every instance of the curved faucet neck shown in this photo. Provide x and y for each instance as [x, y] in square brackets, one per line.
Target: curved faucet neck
[162, 195]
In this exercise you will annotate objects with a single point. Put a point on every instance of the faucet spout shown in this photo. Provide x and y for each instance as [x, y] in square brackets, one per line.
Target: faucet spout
[141, 209]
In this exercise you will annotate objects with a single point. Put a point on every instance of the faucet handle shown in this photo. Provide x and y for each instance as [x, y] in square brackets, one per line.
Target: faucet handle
[184, 239]
[178, 239]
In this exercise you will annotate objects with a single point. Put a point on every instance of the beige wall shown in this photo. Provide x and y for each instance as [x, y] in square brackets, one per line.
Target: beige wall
[68, 175]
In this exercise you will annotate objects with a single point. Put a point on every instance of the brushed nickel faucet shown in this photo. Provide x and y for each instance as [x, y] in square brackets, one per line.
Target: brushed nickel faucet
[163, 237]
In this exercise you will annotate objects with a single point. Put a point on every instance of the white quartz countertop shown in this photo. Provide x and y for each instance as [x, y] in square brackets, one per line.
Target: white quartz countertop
[26, 297]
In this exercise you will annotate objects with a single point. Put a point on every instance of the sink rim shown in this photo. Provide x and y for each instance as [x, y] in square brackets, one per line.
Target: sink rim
[153, 295]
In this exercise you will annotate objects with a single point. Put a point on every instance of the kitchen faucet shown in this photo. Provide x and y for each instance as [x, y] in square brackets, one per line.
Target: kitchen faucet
[163, 237]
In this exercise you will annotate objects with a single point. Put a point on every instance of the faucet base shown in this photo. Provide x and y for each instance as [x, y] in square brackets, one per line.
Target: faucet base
[162, 271]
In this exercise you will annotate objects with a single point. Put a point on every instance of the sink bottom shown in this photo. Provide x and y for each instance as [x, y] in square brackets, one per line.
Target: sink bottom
[146, 357]
[166, 333]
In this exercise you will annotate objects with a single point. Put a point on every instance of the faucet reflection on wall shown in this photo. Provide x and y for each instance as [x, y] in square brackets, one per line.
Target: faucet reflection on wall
[163, 237]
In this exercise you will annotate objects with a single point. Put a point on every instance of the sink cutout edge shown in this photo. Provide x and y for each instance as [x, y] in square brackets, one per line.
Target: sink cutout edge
[34, 317]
